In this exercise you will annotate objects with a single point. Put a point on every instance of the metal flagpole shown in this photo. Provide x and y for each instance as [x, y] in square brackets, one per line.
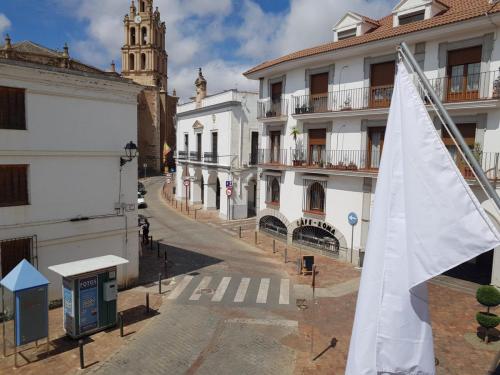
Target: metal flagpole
[478, 171]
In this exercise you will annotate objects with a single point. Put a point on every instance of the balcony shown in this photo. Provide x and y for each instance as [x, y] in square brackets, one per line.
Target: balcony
[272, 109]
[195, 156]
[210, 157]
[359, 161]
[276, 157]
[183, 155]
[473, 87]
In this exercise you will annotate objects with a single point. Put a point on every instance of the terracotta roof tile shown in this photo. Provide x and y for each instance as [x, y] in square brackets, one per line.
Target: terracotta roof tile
[458, 10]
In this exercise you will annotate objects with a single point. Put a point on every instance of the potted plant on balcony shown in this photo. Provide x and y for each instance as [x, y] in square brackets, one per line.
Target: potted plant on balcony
[352, 166]
[477, 152]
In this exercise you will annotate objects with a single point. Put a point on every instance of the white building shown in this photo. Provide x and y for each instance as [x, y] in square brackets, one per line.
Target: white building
[63, 128]
[217, 142]
[323, 113]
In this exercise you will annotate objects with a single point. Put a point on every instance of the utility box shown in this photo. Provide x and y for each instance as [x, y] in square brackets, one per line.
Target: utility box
[89, 294]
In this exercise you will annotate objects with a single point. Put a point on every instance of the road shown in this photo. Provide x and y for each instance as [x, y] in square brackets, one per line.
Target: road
[227, 309]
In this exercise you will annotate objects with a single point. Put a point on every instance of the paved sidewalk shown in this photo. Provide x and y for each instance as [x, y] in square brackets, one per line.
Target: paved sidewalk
[452, 305]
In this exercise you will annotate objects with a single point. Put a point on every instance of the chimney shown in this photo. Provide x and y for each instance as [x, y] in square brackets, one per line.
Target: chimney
[7, 47]
[113, 67]
[201, 87]
[65, 56]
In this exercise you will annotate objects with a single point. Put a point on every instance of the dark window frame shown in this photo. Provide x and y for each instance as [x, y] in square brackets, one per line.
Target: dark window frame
[19, 185]
[346, 34]
[12, 108]
[406, 19]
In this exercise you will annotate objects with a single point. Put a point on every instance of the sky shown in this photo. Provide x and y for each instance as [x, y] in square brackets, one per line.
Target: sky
[224, 37]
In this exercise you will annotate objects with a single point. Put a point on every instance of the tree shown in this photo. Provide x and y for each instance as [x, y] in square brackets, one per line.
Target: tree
[489, 296]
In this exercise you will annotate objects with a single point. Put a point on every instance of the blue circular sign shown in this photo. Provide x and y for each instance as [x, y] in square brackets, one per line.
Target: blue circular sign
[352, 218]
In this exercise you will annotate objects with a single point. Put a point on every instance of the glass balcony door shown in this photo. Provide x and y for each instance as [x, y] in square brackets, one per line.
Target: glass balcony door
[464, 70]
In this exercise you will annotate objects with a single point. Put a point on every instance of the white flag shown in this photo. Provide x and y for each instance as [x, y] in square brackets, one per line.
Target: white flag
[425, 221]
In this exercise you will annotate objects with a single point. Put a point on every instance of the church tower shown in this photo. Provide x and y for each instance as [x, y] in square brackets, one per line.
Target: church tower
[144, 59]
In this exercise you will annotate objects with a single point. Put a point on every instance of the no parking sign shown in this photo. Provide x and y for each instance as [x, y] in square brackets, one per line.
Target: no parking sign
[229, 192]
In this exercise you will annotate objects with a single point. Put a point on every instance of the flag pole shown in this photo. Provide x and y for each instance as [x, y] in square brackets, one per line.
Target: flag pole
[478, 171]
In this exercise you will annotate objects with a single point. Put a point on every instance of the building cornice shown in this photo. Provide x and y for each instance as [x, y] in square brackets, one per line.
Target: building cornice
[210, 108]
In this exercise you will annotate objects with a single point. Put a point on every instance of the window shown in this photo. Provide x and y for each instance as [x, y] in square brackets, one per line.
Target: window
[319, 92]
[273, 190]
[186, 142]
[412, 17]
[131, 62]
[13, 185]
[132, 36]
[317, 147]
[142, 7]
[143, 61]
[314, 196]
[464, 72]
[346, 34]
[14, 251]
[381, 83]
[144, 35]
[12, 108]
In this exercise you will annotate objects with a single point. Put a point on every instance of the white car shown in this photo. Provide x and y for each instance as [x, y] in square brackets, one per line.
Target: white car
[140, 201]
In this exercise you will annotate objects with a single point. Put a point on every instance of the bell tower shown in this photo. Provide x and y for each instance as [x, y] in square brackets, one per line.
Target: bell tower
[144, 59]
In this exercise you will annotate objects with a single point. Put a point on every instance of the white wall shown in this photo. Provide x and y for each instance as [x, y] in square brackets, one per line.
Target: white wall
[77, 128]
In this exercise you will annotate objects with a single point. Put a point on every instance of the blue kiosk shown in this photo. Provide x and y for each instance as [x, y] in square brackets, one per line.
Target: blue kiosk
[25, 302]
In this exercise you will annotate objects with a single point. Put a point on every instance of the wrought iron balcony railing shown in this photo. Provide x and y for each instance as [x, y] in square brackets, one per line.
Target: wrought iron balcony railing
[210, 157]
[272, 156]
[269, 108]
[472, 87]
[182, 155]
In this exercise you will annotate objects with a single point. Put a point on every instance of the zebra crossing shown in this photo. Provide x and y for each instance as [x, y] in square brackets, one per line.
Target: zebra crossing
[232, 290]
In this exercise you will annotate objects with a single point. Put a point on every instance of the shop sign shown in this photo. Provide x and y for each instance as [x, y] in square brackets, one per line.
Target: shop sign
[316, 223]
[88, 303]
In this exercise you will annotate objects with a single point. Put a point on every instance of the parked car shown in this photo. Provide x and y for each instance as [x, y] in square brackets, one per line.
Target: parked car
[140, 201]
[141, 189]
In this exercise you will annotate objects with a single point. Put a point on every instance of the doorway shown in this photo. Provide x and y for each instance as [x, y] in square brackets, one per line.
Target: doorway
[198, 147]
[202, 182]
[381, 84]
[217, 195]
[275, 146]
[477, 270]
[254, 147]
[251, 198]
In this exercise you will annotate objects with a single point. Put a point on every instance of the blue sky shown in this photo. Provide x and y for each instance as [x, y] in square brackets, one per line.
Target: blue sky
[225, 37]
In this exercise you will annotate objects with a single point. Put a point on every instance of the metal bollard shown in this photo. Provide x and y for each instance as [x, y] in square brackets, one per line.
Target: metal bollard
[286, 255]
[158, 249]
[120, 318]
[150, 242]
[82, 359]
[240, 231]
[147, 303]
[159, 283]
[187, 209]
[181, 206]
[255, 237]
[274, 246]
[313, 282]
[165, 257]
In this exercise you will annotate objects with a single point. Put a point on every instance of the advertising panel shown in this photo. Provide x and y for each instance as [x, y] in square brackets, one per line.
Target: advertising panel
[68, 307]
[88, 303]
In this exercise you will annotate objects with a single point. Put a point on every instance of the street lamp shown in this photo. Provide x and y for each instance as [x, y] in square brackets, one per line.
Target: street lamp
[130, 152]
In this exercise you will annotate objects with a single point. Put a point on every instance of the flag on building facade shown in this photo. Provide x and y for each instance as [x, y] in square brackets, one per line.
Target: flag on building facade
[425, 221]
[166, 150]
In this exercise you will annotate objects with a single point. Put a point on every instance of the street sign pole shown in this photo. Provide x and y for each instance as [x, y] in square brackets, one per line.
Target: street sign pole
[352, 218]
[352, 240]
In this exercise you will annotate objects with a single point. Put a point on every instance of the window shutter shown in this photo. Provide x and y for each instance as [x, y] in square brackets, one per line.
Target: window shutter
[13, 185]
[12, 108]
[464, 56]
[319, 84]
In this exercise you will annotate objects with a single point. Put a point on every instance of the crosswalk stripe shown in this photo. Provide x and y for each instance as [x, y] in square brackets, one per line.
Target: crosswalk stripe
[242, 290]
[221, 289]
[180, 287]
[263, 289]
[203, 284]
[284, 292]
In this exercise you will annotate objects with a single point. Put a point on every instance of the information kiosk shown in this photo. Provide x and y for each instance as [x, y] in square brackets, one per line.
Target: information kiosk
[89, 294]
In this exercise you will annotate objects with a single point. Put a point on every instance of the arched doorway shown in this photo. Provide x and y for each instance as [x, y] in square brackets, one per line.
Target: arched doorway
[202, 182]
[217, 195]
[273, 226]
[316, 237]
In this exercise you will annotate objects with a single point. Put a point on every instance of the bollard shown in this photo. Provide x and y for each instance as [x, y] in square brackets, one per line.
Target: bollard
[120, 318]
[147, 303]
[255, 237]
[181, 206]
[187, 209]
[159, 283]
[313, 282]
[195, 213]
[165, 257]
[274, 246]
[286, 255]
[158, 249]
[150, 242]
[82, 359]
[240, 232]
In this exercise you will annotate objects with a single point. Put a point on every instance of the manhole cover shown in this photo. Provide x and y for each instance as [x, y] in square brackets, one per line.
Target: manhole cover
[206, 291]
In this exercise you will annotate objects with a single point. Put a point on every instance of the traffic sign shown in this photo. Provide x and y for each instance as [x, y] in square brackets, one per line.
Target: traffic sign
[186, 182]
[352, 218]
[169, 180]
[229, 191]
[229, 184]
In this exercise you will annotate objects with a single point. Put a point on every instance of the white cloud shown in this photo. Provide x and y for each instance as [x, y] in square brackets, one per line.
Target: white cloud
[197, 28]
[4, 23]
